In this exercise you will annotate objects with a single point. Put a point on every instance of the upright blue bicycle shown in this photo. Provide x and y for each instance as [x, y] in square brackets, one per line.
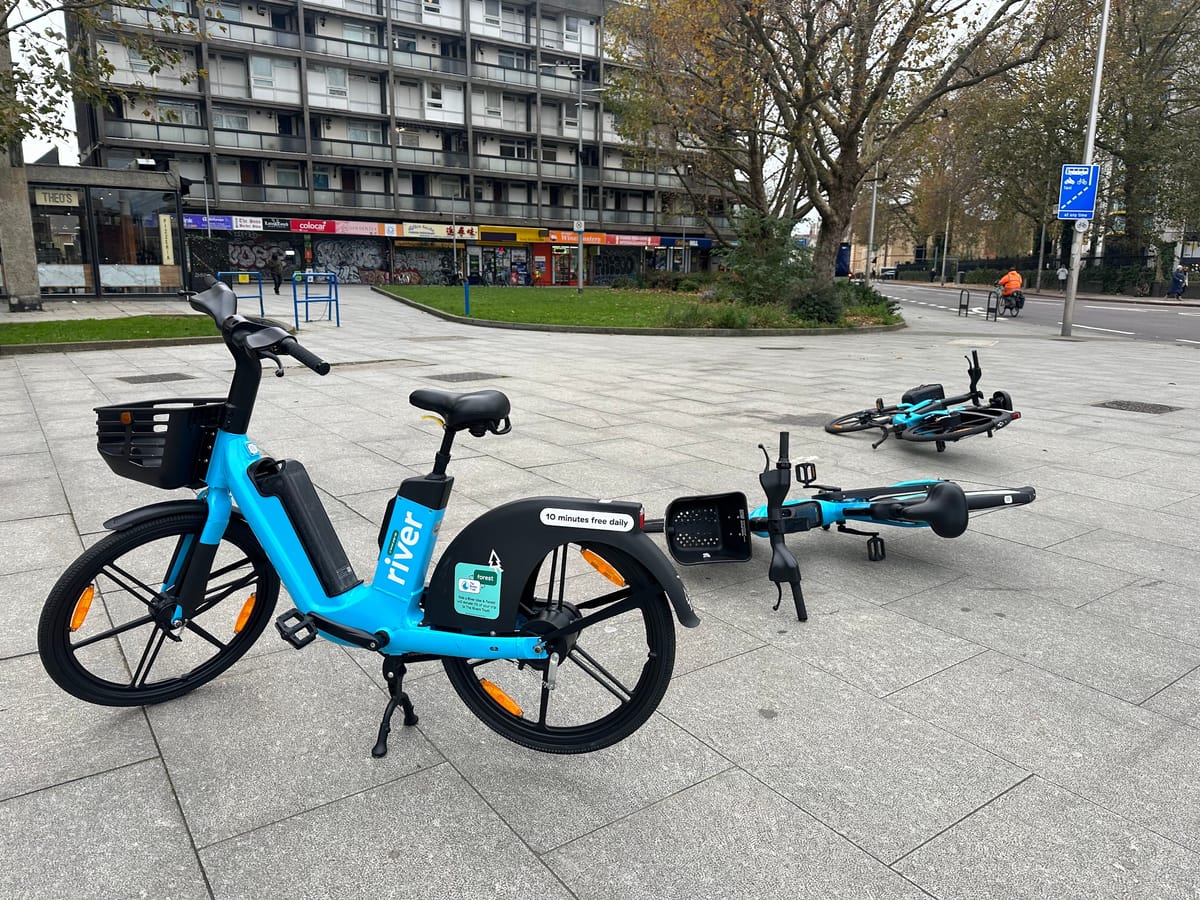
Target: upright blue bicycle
[180, 590]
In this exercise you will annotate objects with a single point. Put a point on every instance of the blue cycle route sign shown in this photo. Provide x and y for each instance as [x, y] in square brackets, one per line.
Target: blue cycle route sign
[1077, 193]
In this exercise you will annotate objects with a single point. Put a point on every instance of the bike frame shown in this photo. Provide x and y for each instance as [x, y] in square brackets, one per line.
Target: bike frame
[919, 412]
[389, 604]
[838, 512]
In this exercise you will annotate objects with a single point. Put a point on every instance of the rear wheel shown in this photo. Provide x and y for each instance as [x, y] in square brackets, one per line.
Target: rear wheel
[612, 674]
[861, 420]
[957, 425]
[105, 634]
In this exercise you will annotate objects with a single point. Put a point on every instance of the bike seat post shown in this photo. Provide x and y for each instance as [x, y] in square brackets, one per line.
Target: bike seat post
[442, 460]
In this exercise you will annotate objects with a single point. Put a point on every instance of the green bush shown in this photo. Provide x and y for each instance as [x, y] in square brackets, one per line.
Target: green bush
[764, 264]
[687, 285]
[982, 276]
[659, 280]
[820, 303]
[708, 315]
[624, 283]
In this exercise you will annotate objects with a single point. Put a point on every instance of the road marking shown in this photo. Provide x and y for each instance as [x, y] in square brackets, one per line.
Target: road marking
[1118, 309]
[1188, 314]
[1094, 328]
[1186, 341]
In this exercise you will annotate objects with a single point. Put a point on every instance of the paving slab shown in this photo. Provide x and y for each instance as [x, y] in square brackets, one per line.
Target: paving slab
[894, 745]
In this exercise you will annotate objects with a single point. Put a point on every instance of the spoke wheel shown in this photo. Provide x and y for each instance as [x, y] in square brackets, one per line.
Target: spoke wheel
[956, 426]
[613, 673]
[861, 420]
[105, 635]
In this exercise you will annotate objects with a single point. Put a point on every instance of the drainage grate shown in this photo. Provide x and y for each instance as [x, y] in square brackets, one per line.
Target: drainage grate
[464, 376]
[156, 379]
[1137, 406]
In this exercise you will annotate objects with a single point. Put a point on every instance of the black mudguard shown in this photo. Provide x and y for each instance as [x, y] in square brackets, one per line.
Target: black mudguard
[154, 510]
[518, 535]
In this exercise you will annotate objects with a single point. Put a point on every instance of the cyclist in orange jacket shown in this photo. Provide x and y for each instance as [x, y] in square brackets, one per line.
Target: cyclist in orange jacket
[1010, 282]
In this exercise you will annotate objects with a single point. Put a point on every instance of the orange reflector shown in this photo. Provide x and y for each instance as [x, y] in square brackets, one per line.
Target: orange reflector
[602, 566]
[82, 605]
[126, 418]
[507, 703]
[244, 615]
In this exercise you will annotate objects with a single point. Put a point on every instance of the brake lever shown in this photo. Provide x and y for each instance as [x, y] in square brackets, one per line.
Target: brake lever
[275, 359]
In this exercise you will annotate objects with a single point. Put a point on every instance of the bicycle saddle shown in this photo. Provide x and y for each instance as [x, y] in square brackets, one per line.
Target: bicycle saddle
[944, 508]
[478, 411]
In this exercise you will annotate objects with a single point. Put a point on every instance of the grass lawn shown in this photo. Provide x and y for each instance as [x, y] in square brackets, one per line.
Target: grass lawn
[607, 307]
[116, 329]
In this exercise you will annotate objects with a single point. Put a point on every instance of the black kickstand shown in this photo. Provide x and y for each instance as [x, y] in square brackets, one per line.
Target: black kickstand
[393, 671]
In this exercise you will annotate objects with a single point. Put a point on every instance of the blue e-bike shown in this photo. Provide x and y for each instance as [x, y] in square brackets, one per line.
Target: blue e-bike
[178, 591]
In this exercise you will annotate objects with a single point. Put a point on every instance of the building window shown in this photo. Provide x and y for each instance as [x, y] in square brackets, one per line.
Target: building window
[513, 149]
[226, 12]
[404, 40]
[176, 112]
[232, 119]
[549, 153]
[321, 178]
[432, 6]
[227, 76]
[288, 176]
[492, 103]
[570, 115]
[137, 63]
[365, 132]
[335, 82]
[491, 12]
[358, 33]
[571, 28]
[410, 139]
[434, 95]
[512, 59]
[262, 71]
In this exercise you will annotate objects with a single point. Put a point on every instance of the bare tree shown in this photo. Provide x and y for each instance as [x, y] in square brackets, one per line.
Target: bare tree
[837, 81]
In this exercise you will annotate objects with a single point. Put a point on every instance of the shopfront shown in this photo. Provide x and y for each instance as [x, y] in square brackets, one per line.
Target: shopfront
[507, 256]
[105, 239]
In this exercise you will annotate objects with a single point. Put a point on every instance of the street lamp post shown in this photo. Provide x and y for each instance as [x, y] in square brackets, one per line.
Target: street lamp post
[871, 227]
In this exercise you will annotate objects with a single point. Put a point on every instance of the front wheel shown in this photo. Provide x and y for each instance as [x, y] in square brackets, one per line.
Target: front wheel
[861, 420]
[956, 425]
[105, 633]
[612, 674]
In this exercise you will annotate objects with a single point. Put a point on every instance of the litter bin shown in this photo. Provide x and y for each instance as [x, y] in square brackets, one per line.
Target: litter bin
[959, 277]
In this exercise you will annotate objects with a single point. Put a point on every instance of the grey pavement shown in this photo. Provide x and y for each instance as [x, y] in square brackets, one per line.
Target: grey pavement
[1013, 713]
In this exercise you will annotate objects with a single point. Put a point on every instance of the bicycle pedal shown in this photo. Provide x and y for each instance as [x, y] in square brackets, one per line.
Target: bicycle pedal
[296, 628]
[875, 549]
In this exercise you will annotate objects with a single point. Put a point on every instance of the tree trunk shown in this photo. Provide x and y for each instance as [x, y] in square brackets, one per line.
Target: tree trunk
[16, 222]
[829, 240]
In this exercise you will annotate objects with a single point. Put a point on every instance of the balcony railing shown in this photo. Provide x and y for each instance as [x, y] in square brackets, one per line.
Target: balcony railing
[373, 105]
[369, 7]
[629, 216]
[345, 49]
[262, 193]
[155, 131]
[433, 204]
[419, 157]
[505, 75]
[150, 18]
[253, 140]
[632, 176]
[251, 34]
[356, 199]
[501, 208]
[504, 164]
[351, 150]
[427, 62]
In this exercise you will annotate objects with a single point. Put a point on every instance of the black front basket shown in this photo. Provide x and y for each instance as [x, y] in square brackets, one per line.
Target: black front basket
[707, 529]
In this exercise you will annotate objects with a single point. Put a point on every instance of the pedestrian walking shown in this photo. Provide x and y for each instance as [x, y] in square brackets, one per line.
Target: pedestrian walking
[1063, 273]
[274, 268]
[1178, 284]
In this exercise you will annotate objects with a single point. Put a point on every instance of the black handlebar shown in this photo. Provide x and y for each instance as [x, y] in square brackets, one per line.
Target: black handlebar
[302, 354]
[776, 481]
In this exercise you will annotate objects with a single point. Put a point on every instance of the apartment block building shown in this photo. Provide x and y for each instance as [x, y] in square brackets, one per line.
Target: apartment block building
[471, 119]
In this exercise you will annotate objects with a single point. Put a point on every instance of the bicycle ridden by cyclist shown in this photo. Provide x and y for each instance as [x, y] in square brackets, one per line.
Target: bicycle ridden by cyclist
[1010, 284]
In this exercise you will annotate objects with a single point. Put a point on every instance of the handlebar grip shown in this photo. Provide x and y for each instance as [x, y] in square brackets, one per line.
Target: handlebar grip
[783, 445]
[298, 352]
